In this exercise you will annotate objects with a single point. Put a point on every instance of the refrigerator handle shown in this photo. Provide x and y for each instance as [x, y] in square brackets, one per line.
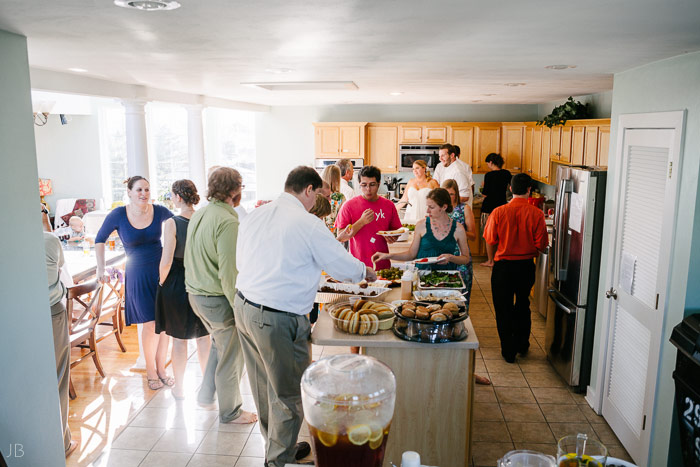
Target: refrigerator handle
[560, 304]
[560, 268]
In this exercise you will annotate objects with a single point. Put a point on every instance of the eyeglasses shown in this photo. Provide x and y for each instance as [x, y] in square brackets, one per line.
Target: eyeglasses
[369, 185]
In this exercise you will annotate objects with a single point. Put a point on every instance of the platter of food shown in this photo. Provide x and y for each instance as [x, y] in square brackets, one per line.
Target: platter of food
[362, 317]
[430, 280]
[329, 292]
[391, 275]
[434, 322]
[438, 294]
[392, 233]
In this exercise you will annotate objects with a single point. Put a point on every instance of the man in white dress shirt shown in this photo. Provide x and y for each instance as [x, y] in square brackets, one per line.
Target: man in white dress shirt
[281, 251]
[346, 172]
[451, 167]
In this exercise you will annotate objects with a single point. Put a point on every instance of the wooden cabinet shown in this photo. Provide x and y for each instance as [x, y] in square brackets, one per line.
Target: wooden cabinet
[565, 144]
[590, 145]
[340, 139]
[477, 247]
[577, 139]
[545, 154]
[423, 134]
[411, 134]
[382, 147]
[463, 136]
[529, 132]
[603, 145]
[513, 139]
[487, 139]
[536, 152]
[435, 134]
[555, 146]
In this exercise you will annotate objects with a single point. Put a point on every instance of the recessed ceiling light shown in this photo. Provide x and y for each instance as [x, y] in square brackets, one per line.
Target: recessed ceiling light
[395, 93]
[513, 85]
[148, 5]
[78, 70]
[559, 67]
[306, 86]
[278, 71]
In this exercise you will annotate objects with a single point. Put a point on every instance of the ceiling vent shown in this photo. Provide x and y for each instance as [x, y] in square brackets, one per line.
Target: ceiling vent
[307, 86]
[148, 5]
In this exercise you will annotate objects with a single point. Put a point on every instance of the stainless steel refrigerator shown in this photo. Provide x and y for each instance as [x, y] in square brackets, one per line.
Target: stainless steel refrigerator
[575, 265]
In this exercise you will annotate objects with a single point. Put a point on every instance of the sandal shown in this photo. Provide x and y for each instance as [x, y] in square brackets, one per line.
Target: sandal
[168, 381]
[154, 384]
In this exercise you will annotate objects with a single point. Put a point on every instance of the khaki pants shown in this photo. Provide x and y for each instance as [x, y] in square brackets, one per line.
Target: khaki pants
[61, 347]
[277, 350]
[217, 315]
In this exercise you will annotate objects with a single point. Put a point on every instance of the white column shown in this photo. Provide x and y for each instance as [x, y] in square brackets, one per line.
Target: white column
[136, 164]
[136, 143]
[195, 147]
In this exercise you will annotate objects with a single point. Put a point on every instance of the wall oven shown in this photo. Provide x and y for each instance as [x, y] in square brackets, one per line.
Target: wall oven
[408, 154]
[320, 164]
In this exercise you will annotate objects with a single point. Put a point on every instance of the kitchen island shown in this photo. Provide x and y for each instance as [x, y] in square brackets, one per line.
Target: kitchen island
[434, 395]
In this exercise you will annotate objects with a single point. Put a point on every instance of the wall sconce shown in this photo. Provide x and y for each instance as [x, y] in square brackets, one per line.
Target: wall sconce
[42, 109]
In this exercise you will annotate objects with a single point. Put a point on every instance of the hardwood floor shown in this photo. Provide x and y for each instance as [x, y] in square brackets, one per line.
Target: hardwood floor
[103, 407]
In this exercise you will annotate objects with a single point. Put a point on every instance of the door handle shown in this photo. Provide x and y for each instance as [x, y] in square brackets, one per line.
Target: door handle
[612, 293]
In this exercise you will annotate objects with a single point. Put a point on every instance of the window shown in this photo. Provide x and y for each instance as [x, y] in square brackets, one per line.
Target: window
[112, 125]
[229, 138]
[166, 126]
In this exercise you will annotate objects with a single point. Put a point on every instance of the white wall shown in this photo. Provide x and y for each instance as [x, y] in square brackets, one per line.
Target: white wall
[666, 85]
[70, 156]
[285, 136]
[29, 408]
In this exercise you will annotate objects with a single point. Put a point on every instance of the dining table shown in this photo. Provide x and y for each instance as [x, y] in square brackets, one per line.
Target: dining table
[81, 265]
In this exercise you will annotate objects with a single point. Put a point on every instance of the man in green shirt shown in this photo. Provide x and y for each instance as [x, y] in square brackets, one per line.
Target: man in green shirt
[210, 280]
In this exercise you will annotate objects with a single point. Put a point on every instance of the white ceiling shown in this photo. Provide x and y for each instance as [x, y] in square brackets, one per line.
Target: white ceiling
[435, 52]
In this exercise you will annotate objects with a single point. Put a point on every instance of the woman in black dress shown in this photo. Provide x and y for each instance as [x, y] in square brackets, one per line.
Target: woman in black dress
[496, 184]
[174, 315]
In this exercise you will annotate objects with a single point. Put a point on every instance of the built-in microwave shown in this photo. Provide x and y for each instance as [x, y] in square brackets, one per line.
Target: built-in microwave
[408, 154]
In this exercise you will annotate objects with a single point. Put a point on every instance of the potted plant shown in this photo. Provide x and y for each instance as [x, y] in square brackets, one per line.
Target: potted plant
[570, 110]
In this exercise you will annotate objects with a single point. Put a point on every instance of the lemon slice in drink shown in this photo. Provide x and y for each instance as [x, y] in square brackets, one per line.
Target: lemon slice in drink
[377, 435]
[359, 434]
[327, 439]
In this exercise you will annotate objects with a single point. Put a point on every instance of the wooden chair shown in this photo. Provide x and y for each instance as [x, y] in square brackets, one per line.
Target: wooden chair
[112, 314]
[84, 305]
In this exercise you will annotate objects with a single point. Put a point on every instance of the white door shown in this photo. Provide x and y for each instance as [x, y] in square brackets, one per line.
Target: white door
[638, 280]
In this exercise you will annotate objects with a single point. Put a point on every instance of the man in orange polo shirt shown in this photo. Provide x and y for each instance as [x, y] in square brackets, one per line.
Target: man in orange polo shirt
[518, 232]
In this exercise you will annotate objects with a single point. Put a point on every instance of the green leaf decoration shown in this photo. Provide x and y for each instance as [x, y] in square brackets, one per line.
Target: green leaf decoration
[570, 110]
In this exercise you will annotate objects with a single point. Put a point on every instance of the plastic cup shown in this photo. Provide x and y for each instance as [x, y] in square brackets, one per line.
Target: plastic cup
[579, 451]
[524, 458]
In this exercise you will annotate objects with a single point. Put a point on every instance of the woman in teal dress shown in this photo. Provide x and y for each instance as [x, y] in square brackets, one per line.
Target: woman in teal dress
[438, 235]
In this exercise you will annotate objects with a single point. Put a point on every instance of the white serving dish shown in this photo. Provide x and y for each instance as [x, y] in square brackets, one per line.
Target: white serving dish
[342, 290]
[423, 272]
[438, 294]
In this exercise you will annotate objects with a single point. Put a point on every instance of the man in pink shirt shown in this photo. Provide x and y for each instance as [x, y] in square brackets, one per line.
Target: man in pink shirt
[369, 214]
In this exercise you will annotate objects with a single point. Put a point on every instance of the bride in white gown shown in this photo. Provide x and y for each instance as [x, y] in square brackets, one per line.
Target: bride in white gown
[416, 193]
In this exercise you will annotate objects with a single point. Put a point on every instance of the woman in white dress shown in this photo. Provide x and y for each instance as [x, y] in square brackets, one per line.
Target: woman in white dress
[416, 193]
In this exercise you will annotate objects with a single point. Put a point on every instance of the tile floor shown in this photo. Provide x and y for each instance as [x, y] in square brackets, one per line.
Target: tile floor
[528, 406]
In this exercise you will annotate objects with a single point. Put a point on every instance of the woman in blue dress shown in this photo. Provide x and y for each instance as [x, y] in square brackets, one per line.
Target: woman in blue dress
[139, 225]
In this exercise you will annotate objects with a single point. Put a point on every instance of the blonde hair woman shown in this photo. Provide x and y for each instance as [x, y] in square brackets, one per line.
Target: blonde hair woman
[331, 175]
[416, 194]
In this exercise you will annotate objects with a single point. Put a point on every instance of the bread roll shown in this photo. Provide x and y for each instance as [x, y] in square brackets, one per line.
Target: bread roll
[422, 313]
[354, 324]
[408, 313]
[438, 317]
[364, 324]
[357, 306]
[374, 324]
